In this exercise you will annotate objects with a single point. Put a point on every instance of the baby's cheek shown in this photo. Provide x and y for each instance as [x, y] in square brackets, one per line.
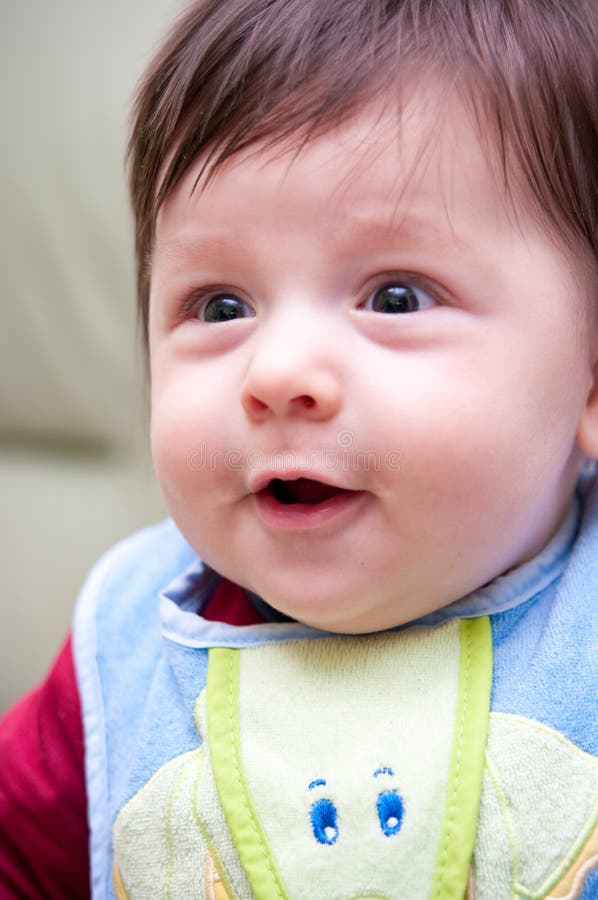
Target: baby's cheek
[172, 451]
[170, 474]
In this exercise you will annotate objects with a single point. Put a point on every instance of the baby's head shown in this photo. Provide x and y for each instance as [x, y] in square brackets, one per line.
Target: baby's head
[368, 258]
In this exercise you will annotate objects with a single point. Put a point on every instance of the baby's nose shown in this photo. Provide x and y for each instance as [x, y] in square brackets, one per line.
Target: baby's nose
[296, 375]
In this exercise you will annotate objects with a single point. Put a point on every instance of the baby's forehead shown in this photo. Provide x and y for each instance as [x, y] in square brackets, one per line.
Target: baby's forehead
[420, 167]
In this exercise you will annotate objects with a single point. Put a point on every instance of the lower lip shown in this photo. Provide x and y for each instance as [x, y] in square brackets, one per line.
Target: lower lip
[305, 515]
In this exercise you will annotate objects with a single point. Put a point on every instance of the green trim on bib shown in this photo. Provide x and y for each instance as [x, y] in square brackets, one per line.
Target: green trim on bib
[241, 817]
[431, 689]
[352, 768]
[467, 761]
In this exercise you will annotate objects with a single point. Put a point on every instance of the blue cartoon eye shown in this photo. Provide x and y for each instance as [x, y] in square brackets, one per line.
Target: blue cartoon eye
[390, 812]
[324, 821]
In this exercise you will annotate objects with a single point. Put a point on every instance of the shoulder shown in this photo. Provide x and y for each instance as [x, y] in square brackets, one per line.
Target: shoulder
[119, 655]
[117, 615]
[145, 558]
[43, 814]
[132, 574]
[546, 651]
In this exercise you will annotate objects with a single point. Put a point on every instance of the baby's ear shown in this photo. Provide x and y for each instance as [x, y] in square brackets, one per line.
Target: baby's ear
[587, 430]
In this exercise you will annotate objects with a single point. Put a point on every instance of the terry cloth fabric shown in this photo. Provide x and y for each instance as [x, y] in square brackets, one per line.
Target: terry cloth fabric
[544, 621]
[281, 809]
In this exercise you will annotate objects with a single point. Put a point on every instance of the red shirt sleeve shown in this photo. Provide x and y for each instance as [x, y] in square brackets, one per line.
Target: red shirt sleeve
[43, 812]
[44, 837]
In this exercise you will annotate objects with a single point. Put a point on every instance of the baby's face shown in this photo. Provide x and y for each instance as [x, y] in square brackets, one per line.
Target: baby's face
[368, 383]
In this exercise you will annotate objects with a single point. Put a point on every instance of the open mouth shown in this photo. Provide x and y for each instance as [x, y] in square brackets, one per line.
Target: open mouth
[301, 503]
[301, 490]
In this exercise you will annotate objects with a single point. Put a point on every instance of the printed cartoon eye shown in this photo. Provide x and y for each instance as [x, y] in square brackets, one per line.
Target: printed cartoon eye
[390, 812]
[224, 308]
[398, 297]
[324, 821]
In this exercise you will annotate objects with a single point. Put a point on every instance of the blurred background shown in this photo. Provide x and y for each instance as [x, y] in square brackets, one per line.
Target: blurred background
[75, 474]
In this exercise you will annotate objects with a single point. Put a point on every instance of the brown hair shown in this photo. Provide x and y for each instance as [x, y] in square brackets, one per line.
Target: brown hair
[234, 72]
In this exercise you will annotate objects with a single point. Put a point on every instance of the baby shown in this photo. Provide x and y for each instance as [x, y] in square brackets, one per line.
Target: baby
[361, 660]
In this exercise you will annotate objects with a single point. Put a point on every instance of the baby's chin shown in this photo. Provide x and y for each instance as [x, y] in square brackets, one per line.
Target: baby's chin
[352, 604]
[339, 618]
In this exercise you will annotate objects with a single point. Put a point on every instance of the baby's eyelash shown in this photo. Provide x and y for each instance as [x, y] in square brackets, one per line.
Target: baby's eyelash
[189, 306]
[215, 305]
[422, 285]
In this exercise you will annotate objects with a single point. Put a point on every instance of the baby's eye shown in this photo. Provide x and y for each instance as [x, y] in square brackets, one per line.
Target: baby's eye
[398, 297]
[224, 308]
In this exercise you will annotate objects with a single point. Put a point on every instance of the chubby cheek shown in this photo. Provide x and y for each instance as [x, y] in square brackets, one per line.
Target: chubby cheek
[182, 445]
[482, 466]
[171, 467]
[505, 498]
[186, 481]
